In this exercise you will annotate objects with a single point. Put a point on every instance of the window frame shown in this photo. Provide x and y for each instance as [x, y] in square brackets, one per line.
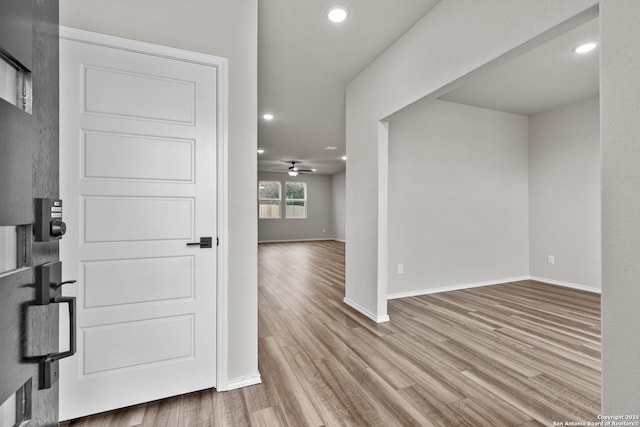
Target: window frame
[305, 200]
[279, 199]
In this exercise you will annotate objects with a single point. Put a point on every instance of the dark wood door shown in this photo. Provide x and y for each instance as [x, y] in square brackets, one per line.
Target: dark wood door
[28, 169]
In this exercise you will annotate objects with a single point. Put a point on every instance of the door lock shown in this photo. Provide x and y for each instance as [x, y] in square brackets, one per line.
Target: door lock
[48, 220]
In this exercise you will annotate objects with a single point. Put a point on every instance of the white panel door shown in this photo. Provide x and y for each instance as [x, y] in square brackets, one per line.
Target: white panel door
[138, 180]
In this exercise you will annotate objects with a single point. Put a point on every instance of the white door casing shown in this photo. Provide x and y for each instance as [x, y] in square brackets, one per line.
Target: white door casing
[141, 133]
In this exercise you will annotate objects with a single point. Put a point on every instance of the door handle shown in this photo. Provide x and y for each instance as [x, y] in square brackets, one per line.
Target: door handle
[71, 302]
[49, 372]
[205, 242]
[59, 285]
[48, 279]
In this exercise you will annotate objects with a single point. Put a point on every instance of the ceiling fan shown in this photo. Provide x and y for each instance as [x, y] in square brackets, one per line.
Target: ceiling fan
[294, 170]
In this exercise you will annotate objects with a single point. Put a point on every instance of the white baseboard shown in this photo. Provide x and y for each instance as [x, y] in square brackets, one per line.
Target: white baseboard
[455, 287]
[364, 311]
[566, 284]
[319, 239]
[245, 381]
[339, 240]
[419, 292]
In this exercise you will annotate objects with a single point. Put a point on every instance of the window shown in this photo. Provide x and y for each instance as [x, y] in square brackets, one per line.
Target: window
[296, 199]
[269, 199]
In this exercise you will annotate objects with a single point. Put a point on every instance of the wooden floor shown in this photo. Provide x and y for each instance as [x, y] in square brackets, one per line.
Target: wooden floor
[519, 354]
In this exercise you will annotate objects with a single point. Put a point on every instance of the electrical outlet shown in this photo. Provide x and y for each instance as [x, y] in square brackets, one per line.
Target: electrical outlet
[324, 230]
[400, 268]
[551, 259]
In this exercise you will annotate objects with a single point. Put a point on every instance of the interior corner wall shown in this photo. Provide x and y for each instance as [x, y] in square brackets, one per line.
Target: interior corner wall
[227, 28]
[458, 197]
[564, 168]
[338, 205]
[317, 224]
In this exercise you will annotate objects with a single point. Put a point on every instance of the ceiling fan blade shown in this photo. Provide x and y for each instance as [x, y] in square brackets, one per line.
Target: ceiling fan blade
[295, 168]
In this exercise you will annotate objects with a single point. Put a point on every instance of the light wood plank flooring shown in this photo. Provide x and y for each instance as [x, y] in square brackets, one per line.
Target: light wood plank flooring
[519, 354]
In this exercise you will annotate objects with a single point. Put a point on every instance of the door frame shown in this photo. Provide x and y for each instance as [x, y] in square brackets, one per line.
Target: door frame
[220, 64]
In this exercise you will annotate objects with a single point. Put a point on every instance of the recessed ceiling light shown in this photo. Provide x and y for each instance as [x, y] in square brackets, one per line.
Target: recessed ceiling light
[587, 47]
[268, 116]
[260, 151]
[344, 157]
[337, 14]
[330, 147]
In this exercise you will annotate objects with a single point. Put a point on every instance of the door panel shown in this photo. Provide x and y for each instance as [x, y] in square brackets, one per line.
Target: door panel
[138, 96]
[132, 157]
[13, 295]
[131, 344]
[28, 168]
[138, 154]
[134, 281]
[138, 218]
[16, 31]
[17, 126]
[16, 145]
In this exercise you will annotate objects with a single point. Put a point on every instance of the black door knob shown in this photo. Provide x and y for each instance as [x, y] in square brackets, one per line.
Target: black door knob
[58, 228]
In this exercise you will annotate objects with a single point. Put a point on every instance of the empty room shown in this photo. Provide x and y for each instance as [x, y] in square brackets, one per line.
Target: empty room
[264, 213]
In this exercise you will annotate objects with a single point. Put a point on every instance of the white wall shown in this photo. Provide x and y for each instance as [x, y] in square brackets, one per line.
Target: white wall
[478, 196]
[620, 133]
[455, 38]
[317, 225]
[458, 197]
[450, 42]
[225, 28]
[564, 167]
[338, 205]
